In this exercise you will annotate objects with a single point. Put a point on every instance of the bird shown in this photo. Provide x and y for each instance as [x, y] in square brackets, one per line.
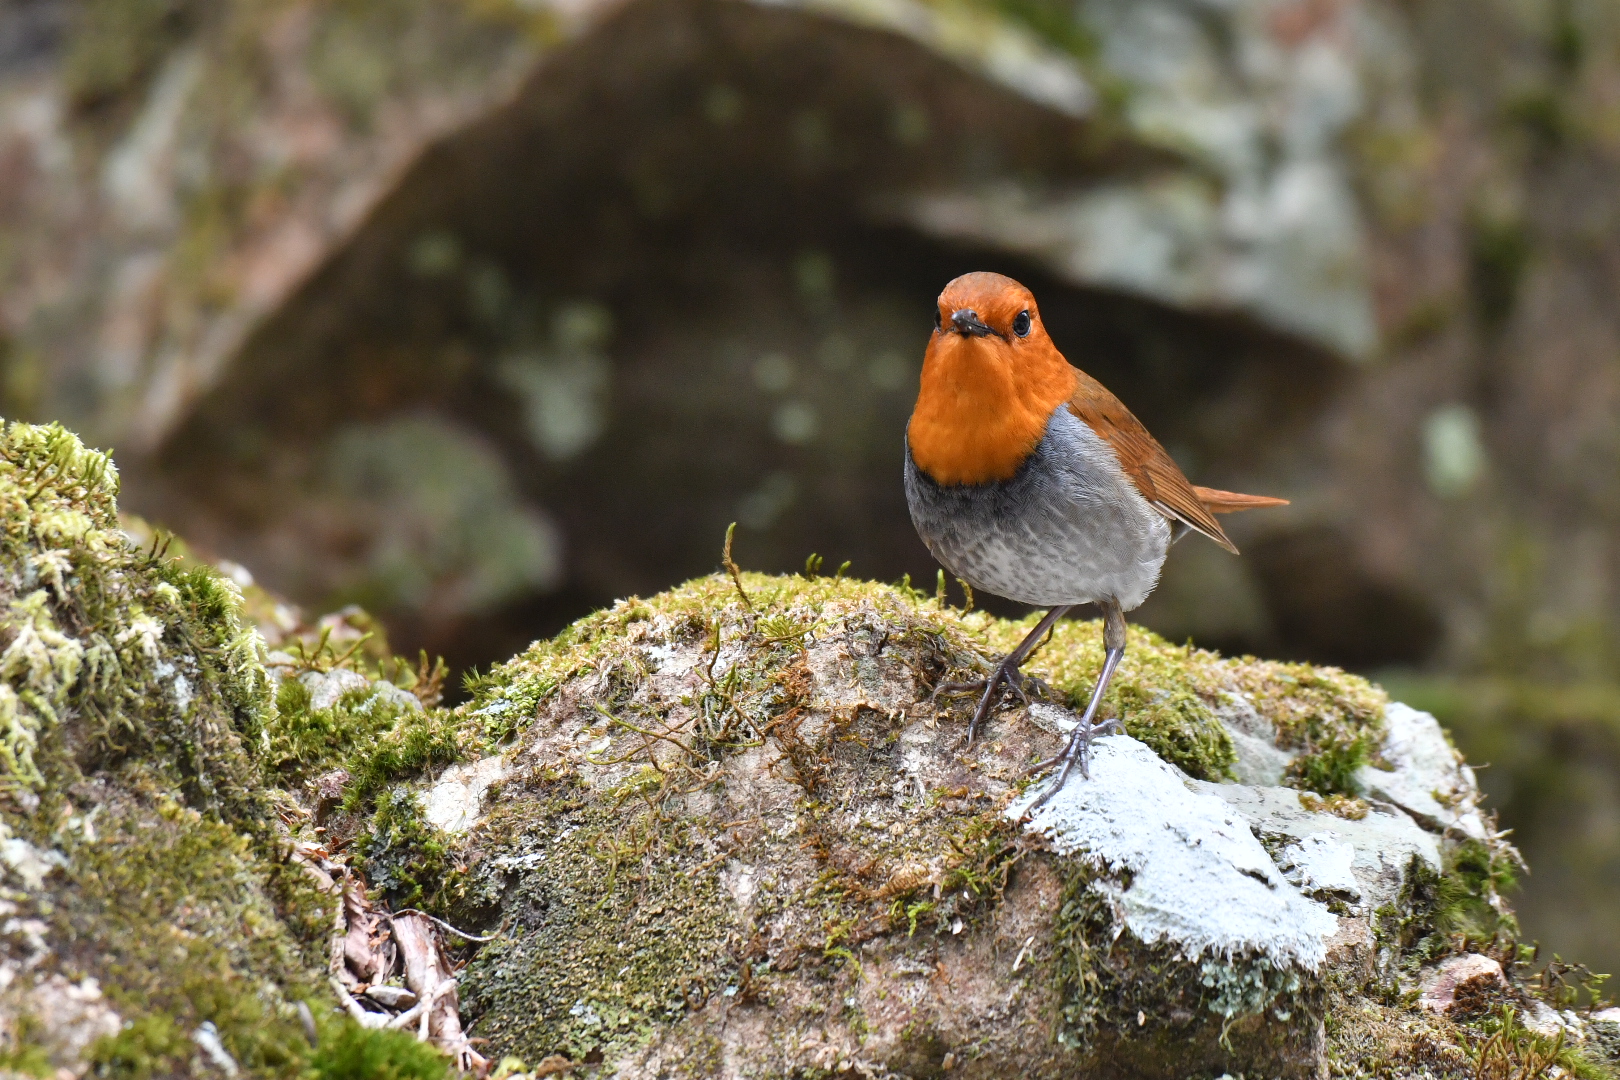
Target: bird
[1026, 478]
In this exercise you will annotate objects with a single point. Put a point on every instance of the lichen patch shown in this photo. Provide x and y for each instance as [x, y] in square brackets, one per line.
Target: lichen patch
[1199, 880]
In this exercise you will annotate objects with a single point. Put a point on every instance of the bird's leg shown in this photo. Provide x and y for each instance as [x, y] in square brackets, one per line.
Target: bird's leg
[1080, 738]
[1005, 672]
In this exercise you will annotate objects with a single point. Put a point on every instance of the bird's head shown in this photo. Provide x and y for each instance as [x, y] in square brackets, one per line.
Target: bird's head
[989, 317]
[991, 378]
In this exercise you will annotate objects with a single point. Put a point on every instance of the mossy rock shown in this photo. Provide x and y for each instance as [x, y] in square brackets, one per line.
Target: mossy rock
[149, 893]
[725, 831]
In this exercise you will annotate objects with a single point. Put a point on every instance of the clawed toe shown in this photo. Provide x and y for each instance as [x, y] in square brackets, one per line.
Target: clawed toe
[1040, 686]
[1076, 753]
[1004, 673]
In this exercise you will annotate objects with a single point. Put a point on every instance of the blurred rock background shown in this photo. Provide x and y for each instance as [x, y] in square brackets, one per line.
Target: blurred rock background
[482, 313]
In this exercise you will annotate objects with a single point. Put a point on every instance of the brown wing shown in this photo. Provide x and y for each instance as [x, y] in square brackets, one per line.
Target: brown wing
[1154, 473]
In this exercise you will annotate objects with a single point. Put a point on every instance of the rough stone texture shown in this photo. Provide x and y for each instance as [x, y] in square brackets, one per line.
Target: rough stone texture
[1422, 185]
[1199, 880]
[712, 833]
[735, 842]
[1423, 774]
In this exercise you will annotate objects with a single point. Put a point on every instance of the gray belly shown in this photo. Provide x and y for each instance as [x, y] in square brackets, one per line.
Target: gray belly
[1069, 528]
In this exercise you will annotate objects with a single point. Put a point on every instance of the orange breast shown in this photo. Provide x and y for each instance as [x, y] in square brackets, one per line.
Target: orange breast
[983, 406]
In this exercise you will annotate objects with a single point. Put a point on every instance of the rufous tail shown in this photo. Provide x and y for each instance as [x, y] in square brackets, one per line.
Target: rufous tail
[1230, 502]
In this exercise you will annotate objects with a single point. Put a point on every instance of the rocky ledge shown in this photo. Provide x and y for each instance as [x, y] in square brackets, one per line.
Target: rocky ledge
[725, 831]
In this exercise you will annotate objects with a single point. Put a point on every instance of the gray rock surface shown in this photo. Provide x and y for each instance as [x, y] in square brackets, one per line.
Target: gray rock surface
[1427, 777]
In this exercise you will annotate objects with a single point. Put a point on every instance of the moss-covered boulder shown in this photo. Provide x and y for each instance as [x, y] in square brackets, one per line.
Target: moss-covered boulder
[726, 831]
[153, 919]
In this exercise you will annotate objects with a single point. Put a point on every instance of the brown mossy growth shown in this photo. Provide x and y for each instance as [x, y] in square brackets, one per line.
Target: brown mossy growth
[1376, 1035]
[1370, 1035]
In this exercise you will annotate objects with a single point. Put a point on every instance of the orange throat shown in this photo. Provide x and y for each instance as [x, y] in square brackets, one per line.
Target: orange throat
[983, 406]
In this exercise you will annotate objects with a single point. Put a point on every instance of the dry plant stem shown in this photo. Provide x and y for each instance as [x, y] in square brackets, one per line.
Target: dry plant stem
[442, 925]
[428, 974]
[362, 1016]
[736, 574]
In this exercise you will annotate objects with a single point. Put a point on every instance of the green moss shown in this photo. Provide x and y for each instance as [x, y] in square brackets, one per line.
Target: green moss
[1334, 720]
[22, 1052]
[415, 742]
[153, 658]
[356, 1053]
[1166, 694]
[132, 686]
[406, 857]
[1108, 983]
[1162, 692]
[1468, 907]
[177, 912]
[555, 983]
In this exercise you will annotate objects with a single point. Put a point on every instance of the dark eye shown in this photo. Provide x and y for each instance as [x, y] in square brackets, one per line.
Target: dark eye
[939, 320]
[1021, 324]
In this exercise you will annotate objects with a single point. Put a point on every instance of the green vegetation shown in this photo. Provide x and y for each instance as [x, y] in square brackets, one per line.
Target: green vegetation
[405, 857]
[1166, 694]
[1334, 720]
[136, 667]
[352, 1052]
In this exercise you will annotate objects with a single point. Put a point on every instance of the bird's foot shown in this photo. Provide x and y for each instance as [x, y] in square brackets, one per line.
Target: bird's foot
[1076, 753]
[1005, 673]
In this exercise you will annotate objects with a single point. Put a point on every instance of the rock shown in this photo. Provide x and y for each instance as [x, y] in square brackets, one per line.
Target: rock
[326, 793]
[1459, 978]
[1322, 864]
[1199, 880]
[148, 887]
[734, 835]
[1545, 1021]
[71, 1016]
[326, 687]
[1385, 840]
[833, 879]
[1426, 777]
[385, 694]
[1260, 760]
[453, 802]
[29, 863]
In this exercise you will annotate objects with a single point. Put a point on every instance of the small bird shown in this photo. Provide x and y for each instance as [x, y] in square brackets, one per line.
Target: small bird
[1028, 479]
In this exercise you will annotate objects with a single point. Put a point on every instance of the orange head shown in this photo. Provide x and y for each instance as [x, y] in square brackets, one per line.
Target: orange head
[990, 380]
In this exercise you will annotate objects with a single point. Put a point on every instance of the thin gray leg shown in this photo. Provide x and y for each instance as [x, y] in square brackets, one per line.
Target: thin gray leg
[1005, 672]
[1080, 740]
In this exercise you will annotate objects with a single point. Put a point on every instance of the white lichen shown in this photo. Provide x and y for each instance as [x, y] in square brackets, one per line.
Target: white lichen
[1200, 880]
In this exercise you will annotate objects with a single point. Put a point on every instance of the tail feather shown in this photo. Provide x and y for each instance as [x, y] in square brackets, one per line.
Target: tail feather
[1230, 502]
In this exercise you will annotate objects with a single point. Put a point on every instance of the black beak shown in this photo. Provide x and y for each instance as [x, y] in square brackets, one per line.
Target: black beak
[966, 321]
